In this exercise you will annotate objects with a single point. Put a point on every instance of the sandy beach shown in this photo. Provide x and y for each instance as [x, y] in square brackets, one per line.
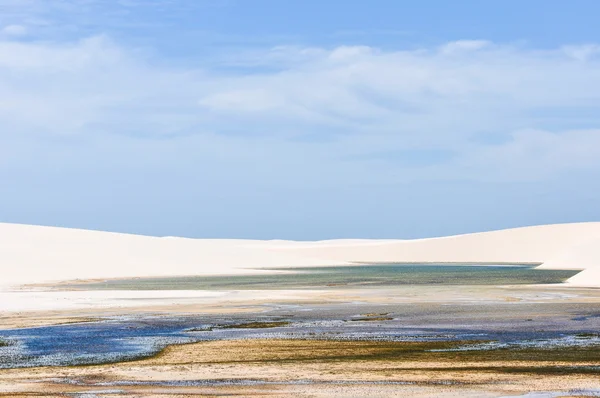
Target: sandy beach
[281, 318]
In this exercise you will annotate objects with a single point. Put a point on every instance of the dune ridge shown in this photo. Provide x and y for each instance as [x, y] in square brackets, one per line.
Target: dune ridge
[35, 254]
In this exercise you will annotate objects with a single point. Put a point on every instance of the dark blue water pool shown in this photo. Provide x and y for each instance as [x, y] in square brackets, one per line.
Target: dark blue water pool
[89, 343]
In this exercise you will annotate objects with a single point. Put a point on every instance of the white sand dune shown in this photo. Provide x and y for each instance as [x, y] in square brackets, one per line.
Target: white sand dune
[33, 254]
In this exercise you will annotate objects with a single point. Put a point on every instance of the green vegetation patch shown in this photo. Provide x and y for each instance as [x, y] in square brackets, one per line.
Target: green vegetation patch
[245, 325]
[256, 325]
[587, 335]
[373, 319]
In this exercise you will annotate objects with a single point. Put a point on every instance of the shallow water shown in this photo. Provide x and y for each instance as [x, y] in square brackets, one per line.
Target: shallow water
[348, 276]
[508, 325]
[124, 338]
[87, 343]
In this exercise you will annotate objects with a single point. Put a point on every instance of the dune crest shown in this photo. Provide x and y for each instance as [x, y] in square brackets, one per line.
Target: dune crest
[33, 254]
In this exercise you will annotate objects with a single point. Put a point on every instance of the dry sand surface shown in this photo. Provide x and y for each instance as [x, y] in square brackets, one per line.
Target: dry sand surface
[32, 254]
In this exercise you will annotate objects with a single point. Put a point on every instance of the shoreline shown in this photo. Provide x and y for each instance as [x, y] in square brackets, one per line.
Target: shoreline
[33, 254]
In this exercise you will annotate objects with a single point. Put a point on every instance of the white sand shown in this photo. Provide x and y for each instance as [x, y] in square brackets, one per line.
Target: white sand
[74, 300]
[34, 254]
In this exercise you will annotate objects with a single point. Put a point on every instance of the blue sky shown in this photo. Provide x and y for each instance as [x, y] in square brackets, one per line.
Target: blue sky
[299, 119]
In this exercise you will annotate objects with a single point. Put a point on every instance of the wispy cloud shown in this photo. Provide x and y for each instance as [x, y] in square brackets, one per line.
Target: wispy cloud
[14, 30]
[367, 102]
[62, 19]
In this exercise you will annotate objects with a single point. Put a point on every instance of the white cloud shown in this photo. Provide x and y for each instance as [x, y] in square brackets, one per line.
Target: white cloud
[533, 155]
[14, 30]
[461, 46]
[90, 86]
[332, 104]
[582, 52]
[501, 80]
[348, 53]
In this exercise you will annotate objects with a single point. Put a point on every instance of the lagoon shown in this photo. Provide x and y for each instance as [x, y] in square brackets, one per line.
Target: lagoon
[359, 276]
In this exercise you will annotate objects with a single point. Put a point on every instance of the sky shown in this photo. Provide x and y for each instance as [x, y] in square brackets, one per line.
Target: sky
[299, 119]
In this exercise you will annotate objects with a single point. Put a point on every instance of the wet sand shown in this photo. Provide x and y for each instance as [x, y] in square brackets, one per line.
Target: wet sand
[405, 341]
[249, 301]
[278, 367]
[318, 368]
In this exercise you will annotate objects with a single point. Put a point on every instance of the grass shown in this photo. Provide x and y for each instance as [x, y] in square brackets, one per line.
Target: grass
[246, 325]
[587, 335]
[373, 317]
[256, 325]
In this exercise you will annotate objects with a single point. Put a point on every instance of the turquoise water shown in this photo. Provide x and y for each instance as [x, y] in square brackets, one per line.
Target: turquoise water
[348, 276]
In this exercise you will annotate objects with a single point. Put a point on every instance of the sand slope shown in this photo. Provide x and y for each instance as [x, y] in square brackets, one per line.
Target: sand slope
[38, 254]
[34, 253]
